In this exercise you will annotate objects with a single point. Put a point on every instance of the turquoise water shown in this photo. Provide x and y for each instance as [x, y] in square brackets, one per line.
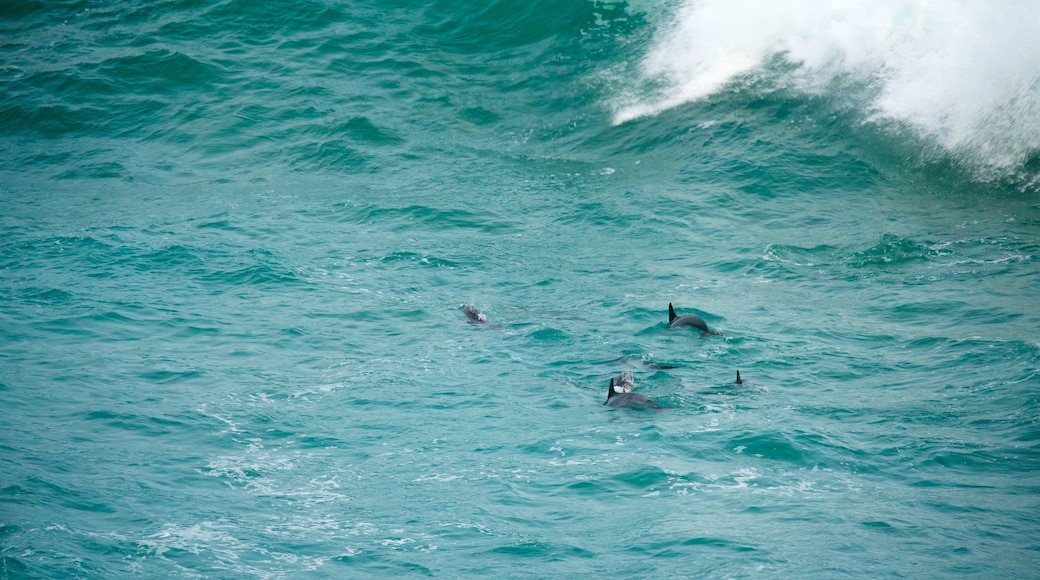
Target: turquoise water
[236, 238]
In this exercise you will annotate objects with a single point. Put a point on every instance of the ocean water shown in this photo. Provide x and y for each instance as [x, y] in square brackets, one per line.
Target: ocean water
[236, 238]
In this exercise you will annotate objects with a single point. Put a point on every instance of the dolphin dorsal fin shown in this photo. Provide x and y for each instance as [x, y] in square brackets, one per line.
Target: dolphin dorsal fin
[739, 382]
[671, 313]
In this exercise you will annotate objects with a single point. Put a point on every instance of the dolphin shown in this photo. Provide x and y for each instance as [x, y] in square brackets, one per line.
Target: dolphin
[474, 315]
[688, 320]
[647, 361]
[624, 383]
[739, 382]
[620, 394]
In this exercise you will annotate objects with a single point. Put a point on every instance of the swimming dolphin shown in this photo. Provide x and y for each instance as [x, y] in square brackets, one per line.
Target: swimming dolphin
[687, 320]
[647, 361]
[474, 315]
[624, 383]
[739, 382]
[620, 394]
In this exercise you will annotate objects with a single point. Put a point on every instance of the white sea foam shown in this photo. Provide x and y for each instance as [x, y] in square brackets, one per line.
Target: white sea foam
[964, 73]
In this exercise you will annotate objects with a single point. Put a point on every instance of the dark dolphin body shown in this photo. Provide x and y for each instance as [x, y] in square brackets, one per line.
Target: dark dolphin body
[687, 320]
[646, 361]
[474, 315]
[620, 394]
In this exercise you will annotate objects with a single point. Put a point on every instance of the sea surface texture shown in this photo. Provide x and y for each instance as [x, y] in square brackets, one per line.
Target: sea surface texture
[236, 238]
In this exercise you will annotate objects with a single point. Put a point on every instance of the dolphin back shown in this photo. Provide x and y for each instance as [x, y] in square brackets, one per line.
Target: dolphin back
[620, 394]
[473, 314]
[691, 320]
[687, 320]
[632, 400]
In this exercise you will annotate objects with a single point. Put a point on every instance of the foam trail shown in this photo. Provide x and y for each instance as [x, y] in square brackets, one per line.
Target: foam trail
[965, 73]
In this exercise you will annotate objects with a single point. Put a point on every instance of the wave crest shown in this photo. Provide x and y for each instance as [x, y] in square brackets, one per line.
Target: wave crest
[963, 74]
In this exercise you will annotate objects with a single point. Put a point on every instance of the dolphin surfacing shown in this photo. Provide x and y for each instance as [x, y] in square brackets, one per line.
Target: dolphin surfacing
[621, 394]
[688, 320]
[475, 316]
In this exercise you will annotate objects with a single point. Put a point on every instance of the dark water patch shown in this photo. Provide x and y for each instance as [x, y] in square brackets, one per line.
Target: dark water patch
[44, 159]
[326, 156]
[365, 132]
[265, 24]
[588, 487]
[549, 335]
[111, 316]
[189, 331]
[368, 315]
[255, 268]
[931, 343]
[15, 11]
[549, 552]
[990, 316]
[50, 121]
[69, 326]
[12, 567]
[821, 449]
[365, 402]
[1030, 434]
[46, 296]
[70, 498]
[98, 170]
[13, 494]
[774, 446]
[600, 215]
[274, 433]
[168, 377]
[90, 98]
[162, 72]
[946, 483]
[170, 257]
[718, 543]
[54, 248]
[936, 308]
[150, 426]
[975, 461]
[892, 251]
[679, 548]
[479, 116]
[422, 260]
[511, 24]
[444, 400]
[744, 264]
[319, 442]
[882, 527]
[432, 218]
[646, 478]
[221, 221]
[381, 565]
[799, 259]
[544, 447]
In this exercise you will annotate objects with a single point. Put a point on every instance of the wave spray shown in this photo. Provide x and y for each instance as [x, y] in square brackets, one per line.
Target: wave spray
[963, 74]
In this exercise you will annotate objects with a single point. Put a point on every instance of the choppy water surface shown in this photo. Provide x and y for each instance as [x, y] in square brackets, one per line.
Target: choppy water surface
[235, 242]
